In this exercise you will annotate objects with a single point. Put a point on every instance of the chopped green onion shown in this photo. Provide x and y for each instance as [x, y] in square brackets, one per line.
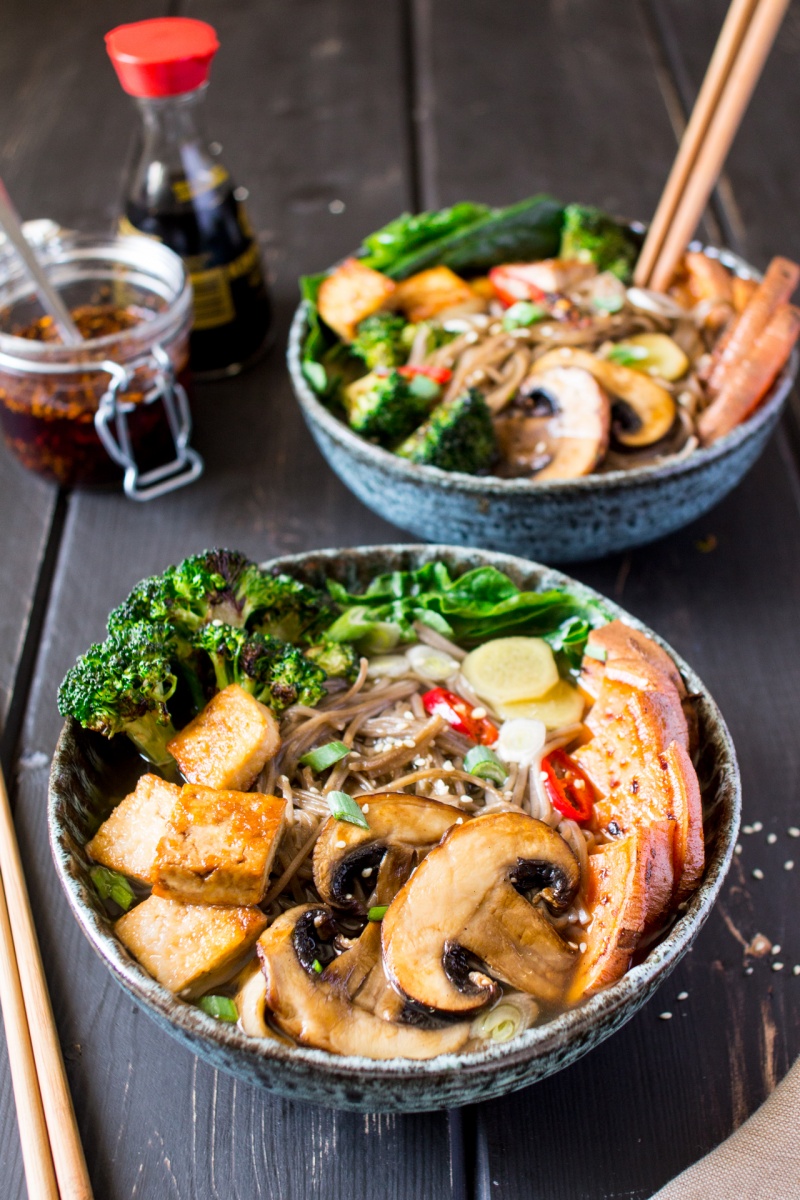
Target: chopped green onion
[317, 965]
[484, 763]
[609, 304]
[377, 913]
[325, 756]
[424, 387]
[112, 886]
[523, 313]
[598, 652]
[316, 375]
[344, 808]
[221, 1007]
[626, 355]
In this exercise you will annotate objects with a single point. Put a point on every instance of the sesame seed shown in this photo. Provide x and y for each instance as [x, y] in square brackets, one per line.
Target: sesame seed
[789, 864]
[757, 827]
[777, 966]
[408, 714]
[340, 845]
[796, 969]
[479, 713]
[772, 839]
[683, 995]
[793, 831]
[665, 1016]
[459, 820]
[748, 970]
[775, 949]
[757, 873]
[747, 829]
[365, 874]
[738, 848]
[543, 776]
[409, 744]
[348, 895]
[582, 947]
[447, 765]
[365, 808]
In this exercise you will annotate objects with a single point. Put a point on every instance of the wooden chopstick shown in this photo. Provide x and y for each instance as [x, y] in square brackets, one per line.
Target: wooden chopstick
[725, 51]
[733, 100]
[40, 1175]
[23, 956]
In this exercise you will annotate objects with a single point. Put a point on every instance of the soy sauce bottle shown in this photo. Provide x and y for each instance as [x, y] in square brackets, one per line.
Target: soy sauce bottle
[179, 193]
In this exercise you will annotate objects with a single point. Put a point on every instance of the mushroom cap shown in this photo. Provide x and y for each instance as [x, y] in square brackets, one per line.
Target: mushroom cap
[402, 829]
[570, 442]
[464, 903]
[321, 1008]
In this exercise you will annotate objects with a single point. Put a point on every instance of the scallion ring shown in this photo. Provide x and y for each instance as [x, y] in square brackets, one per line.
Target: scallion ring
[344, 808]
[484, 763]
[325, 756]
[220, 1007]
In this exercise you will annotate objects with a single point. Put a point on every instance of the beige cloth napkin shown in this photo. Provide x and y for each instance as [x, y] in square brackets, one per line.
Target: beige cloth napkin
[760, 1161]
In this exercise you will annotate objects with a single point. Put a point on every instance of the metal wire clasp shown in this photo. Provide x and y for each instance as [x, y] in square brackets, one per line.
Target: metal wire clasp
[187, 464]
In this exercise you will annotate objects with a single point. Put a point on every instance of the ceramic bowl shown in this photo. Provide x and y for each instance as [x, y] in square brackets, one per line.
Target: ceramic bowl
[89, 772]
[561, 520]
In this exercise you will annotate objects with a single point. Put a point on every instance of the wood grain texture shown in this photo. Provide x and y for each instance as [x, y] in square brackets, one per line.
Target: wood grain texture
[579, 113]
[307, 102]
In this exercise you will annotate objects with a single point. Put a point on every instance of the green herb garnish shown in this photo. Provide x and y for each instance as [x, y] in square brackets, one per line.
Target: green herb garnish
[523, 313]
[598, 652]
[627, 355]
[344, 808]
[316, 375]
[113, 886]
[423, 387]
[609, 304]
[325, 756]
[484, 763]
[220, 1007]
[377, 913]
[317, 966]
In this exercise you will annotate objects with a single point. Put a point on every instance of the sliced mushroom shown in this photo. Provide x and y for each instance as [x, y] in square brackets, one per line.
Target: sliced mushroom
[314, 1003]
[402, 829]
[462, 921]
[653, 407]
[251, 1003]
[568, 443]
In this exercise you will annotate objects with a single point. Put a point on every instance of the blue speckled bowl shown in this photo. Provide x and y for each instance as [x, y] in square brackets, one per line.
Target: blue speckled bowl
[554, 521]
[87, 770]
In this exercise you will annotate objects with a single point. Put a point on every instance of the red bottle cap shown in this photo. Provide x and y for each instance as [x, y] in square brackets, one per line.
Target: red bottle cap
[162, 57]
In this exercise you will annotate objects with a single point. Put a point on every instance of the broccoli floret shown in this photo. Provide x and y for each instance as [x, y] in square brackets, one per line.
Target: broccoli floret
[122, 685]
[458, 436]
[274, 672]
[280, 606]
[591, 236]
[379, 341]
[386, 408]
[338, 660]
[202, 589]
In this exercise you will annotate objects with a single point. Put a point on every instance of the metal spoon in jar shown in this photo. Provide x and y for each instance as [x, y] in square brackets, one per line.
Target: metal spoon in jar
[50, 300]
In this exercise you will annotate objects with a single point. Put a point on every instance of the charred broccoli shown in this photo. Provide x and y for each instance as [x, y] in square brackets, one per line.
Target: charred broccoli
[280, 606]
[274, 672]
[458, 436]
[379, 341]
[591, 236]
[338, 660]
[122, 685]
[386, 408]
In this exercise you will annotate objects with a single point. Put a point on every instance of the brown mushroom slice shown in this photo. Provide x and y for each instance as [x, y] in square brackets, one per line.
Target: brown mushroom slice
[463, 904]
[653, 406]
[312, 1003]
[402, 829]
[574, 439]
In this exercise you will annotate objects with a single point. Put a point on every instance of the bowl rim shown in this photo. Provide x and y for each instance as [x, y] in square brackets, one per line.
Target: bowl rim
[385, 461]
[532, 1044]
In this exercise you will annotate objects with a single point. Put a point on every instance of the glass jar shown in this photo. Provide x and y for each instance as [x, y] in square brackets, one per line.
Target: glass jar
[113, 408]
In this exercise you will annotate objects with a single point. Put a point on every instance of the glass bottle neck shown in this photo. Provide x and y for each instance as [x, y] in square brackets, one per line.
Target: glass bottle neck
[173, 120]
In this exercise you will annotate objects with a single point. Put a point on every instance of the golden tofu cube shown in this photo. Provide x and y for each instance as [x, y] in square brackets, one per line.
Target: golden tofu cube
[190, 948]
[430, 292]
[218, 847]
[128, 840]
[228, 743]
[350, 294]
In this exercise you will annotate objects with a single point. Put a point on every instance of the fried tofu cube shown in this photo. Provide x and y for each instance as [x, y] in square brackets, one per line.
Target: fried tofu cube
[228, 743]
[352, 293]
[128, 840]
[430, 292]
[190, 948]
[218, 847]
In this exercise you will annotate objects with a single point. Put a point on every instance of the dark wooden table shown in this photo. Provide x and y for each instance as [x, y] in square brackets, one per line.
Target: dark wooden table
[408, 103]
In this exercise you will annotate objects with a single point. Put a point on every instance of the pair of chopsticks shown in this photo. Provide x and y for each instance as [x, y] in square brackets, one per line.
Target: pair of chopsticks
[55, 1168]
[744, 42]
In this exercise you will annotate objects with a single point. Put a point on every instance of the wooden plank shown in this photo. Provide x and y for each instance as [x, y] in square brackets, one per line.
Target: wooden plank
[307, 102]
[578, 112]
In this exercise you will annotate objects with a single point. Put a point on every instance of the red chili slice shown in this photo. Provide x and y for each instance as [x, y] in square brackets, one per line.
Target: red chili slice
[459, 714]
[440, 375]
[568, 788]
[512, 283]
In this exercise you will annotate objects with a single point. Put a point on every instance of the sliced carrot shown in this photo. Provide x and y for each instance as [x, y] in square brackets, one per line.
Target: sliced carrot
[629, 887]
[667, 790]
[746, 381]
[707, 279]
[737, 343]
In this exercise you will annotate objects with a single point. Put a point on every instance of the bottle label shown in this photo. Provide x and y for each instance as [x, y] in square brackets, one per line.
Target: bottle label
[202, 181]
